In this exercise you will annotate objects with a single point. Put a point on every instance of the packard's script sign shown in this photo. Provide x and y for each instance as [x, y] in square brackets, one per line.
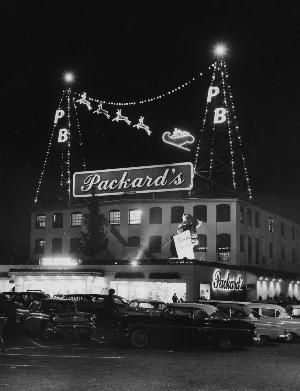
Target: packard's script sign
[146, 179]
[228, 281]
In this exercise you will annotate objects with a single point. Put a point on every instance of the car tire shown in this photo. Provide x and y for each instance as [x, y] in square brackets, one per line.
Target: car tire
[290, 337]
[225, 343]
[262, 340]
[139, 339]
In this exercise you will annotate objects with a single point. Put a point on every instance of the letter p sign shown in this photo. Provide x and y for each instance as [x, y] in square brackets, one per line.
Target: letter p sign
[212, 91]
[63, 135]
[58, 114]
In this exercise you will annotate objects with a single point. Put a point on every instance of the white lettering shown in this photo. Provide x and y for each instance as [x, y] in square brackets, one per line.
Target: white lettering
[63, 135]
[90, 181]
[220, 115]
[161, 180]
[212, 91]
[58, 114]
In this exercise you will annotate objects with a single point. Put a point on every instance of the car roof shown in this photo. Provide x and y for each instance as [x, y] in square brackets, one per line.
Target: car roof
[205, 307]
[261, 305]
[147, 301]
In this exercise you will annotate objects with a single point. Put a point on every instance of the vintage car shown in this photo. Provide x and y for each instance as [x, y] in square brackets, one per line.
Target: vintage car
[187, 324]
[267, 330]
[293, 310]
[54, 317]
[93, 302]
[145, 306]
[24, 299]
[279, 314]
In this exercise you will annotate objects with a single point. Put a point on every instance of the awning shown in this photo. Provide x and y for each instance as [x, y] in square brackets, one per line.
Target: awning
[164, 276]
[55, 272]
[130, 276]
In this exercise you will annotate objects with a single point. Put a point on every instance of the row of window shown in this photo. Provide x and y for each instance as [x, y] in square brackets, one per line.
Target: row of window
[223, 245]
[257, 250]
[135, 215]
[257, 222]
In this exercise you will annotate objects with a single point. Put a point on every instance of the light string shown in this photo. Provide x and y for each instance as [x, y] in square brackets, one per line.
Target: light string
[69, 146]
[204, 118]
[250, 194]
[146, 100]
[37, 192]
[229, 126]
[80, 134]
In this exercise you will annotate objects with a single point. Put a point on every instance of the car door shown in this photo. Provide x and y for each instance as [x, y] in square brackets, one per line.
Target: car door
[35, 317]
[177, 326]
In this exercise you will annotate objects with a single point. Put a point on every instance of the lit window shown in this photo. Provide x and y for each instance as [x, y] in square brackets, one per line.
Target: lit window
[201, 246]
[114, 217]
[76, 219]
[133, 241]
[57, 221]
[200, 212]
[271, 224]
[176, 214]
[155, 244]
[40, 221]
[57, 246]
[39, 246]
[223, 247]
[135, 216]
[155, 215]
[223, 212]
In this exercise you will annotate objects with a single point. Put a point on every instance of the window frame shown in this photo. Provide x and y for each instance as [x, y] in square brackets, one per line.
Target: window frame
[151, 240]
[134, 221]
[203, 212]
[60, 220]
[155, 215]
[114, 217]
[40, 224]
[176, 212]
[223, 212]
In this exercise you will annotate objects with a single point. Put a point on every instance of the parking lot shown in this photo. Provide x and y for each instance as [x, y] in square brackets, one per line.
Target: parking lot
[64, 365]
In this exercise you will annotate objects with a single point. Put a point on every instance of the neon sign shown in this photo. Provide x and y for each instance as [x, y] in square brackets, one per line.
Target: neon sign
[227, 281]
[179, 138]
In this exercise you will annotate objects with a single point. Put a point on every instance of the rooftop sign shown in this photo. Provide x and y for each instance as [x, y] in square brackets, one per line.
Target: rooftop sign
[145, 179]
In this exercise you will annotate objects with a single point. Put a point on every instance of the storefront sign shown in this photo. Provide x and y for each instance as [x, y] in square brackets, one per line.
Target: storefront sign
[58, 261]
[184, 245]
[145, 179]
[228, 281]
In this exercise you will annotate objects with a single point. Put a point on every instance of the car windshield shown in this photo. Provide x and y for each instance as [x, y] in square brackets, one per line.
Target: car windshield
[219, 313]
[59, 306]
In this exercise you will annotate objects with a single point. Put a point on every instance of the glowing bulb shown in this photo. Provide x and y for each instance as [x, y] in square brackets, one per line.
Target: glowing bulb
[68, 77]
[220, 50]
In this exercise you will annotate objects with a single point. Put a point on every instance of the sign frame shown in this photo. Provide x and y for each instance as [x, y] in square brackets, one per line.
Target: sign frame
[132, 191]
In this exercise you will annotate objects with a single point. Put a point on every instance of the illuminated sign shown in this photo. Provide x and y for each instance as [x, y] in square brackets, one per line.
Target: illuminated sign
[179, 138]
[145, 179]
[58, 261]
[184, 245]
[229, 281]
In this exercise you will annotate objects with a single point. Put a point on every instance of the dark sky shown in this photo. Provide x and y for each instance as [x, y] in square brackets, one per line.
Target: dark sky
[128, 50]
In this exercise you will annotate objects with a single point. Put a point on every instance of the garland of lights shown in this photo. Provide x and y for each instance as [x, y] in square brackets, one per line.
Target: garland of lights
[83, 100]
[204, 119]
[37, 192]
[229, 127]
[79, 132]
[237, 132]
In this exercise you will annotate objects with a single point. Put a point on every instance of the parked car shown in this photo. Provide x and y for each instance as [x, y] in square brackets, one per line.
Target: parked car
[267, 329]
[24, 299]
[49, 317]
[94, 303]
[293, 310]
[276, 312]
[187, 324]
[145, 306]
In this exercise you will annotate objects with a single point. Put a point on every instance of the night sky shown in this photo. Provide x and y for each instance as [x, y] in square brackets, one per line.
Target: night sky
[130, 50]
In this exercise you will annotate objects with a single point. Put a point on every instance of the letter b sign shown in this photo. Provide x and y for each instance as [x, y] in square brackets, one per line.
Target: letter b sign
[63, 135]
